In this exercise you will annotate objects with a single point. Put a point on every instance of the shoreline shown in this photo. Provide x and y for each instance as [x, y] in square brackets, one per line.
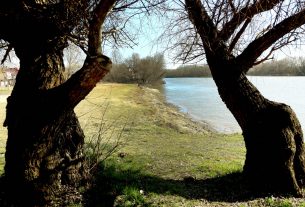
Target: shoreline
[185, 116]
[180, 121]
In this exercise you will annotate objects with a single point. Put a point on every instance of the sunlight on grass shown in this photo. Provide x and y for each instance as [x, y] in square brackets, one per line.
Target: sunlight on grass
[164, 158]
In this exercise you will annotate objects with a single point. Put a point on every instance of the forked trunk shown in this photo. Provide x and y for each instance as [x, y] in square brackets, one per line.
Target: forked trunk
[272, 134]
[44, 160]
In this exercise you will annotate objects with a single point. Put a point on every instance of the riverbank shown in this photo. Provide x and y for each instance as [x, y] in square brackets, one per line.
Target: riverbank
[162, 158]
[166, 159]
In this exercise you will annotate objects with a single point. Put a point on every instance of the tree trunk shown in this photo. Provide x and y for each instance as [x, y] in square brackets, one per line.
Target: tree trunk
[272, 134]
[44, 160]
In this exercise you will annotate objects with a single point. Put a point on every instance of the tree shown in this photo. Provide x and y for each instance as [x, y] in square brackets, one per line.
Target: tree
[189, 71]
[120, 73]
[148, 70]
[234, 36]
[44, 152]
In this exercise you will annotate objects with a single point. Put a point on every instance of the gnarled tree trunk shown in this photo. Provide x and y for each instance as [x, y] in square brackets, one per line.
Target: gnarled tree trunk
[44, 149]
[272, 134]
[44, 153]
[44, 156]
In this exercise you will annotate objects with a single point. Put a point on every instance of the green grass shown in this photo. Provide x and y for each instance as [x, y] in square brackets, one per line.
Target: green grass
[283, 202]
[172, 160]
[167, 159]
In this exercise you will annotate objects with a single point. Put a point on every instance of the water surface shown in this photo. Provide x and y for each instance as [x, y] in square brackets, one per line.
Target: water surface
[199, 98]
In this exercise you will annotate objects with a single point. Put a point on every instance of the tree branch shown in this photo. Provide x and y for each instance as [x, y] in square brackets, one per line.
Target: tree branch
[83, 81]
[238, 35]
[96, 65]
[246, 12]
[7, 52]
[203, 23]
[95, 25]
[258, 46]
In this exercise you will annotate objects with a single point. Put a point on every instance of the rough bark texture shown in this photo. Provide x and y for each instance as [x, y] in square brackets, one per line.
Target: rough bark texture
[44, 153]
[44, 149]
[275, 159]
[272, 133]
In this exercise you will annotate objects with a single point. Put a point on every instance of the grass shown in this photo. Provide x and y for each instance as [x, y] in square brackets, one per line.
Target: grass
[160, 150]
[168, 159]
[164, 158]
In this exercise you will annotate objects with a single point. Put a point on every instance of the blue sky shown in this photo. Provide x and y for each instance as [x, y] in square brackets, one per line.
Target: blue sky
[148, 30]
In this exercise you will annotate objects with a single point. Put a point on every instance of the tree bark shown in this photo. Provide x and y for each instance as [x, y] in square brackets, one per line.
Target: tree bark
[273, 136]
[275, 159]
[44, 151]
[44, 157]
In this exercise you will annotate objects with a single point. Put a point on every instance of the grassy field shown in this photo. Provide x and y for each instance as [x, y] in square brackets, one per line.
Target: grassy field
[163, 158]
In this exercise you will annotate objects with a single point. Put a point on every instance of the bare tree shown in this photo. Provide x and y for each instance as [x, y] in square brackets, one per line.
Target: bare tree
[147, 70]
[233, 36]
[44, 152]
[143, 71]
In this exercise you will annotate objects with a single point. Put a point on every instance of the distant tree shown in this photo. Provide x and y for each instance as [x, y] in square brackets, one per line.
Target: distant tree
[233, 36]
[119, 73]
[189, 71]
[148, 70]
[284, 67]
[301, 66]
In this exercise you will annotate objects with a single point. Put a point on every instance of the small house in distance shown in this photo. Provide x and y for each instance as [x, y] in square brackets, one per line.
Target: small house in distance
[8, 76]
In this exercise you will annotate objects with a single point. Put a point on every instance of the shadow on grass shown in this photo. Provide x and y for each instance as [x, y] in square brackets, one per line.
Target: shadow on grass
[111, 183]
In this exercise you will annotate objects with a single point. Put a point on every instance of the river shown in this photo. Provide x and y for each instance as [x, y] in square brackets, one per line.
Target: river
[198, 97]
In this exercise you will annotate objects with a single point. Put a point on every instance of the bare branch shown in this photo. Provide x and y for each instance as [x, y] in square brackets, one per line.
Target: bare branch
[238, 35]
[7, 52]
[95, 25]
[246, 12]
[203, 23]
[258, 46]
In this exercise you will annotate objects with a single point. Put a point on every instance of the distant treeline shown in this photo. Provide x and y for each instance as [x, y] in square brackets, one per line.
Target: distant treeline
[189, 71]
[284, 67]
[150, 70]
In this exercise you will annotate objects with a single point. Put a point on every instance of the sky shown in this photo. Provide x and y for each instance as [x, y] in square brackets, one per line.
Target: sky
[148, 44]
[148, 41]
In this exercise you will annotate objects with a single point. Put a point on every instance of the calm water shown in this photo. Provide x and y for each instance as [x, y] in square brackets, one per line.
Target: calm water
[199, 98]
